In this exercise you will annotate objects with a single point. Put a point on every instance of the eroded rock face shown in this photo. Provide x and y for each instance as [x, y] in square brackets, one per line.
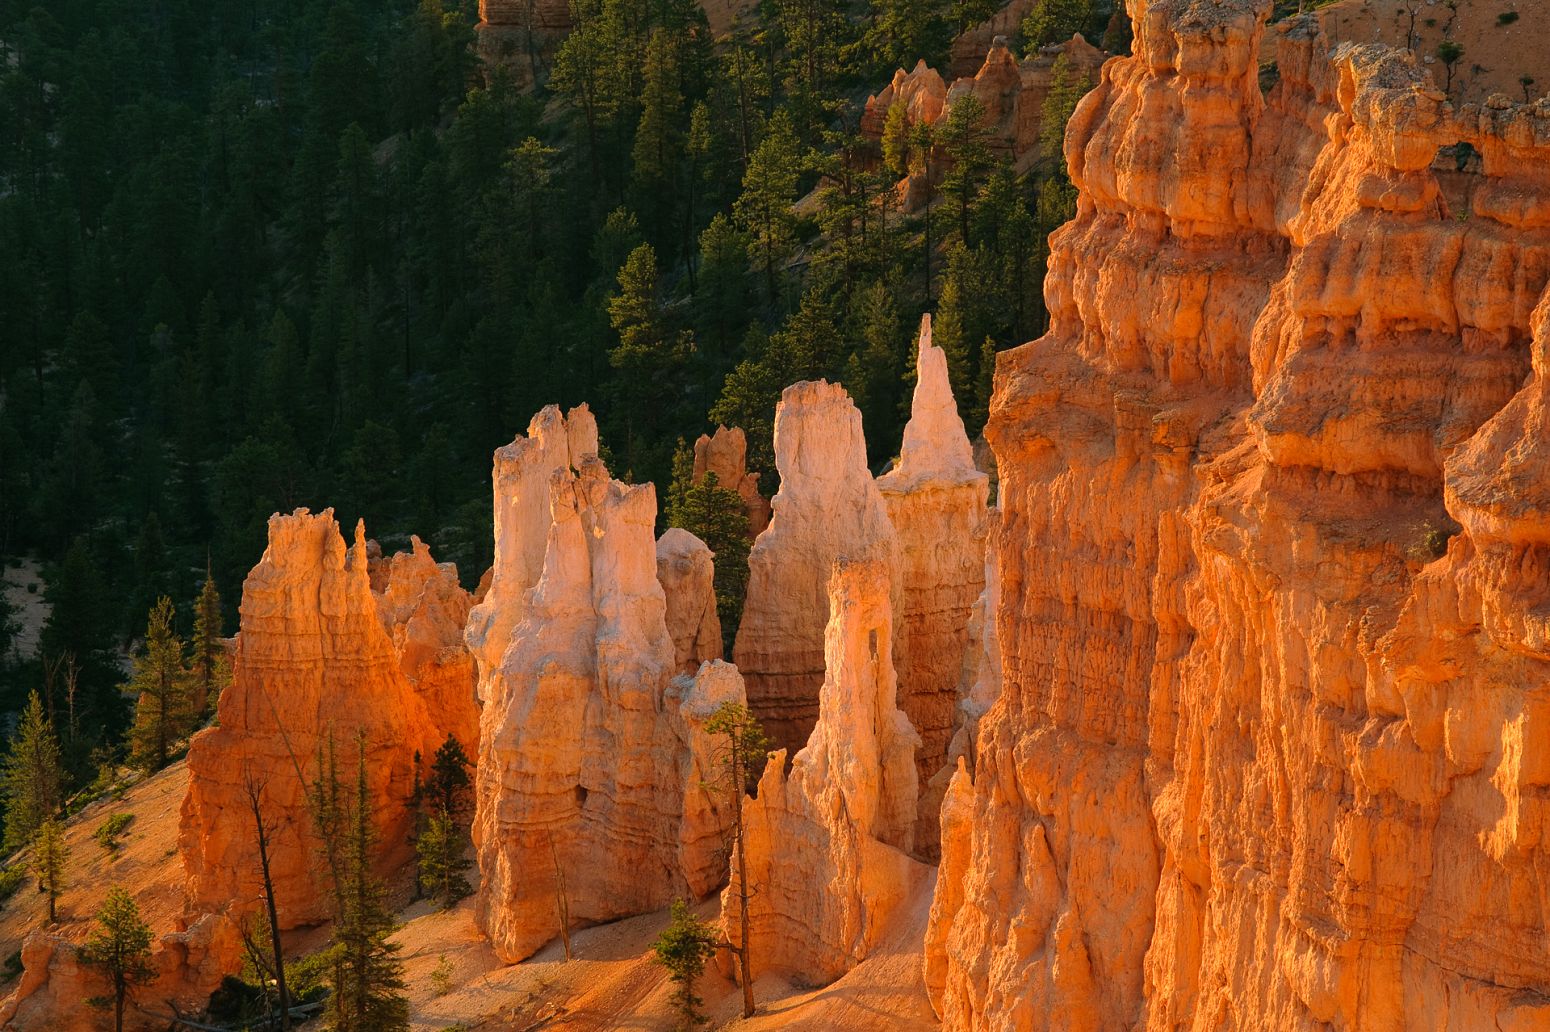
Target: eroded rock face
[686, 570]
[521, 36]
[1259, 757]
[316, 663]
[1012, 93]
[936, 502]
[187, 965]
[827, 846]
[587, 742]
[725, 453]
[827, 507]
[424, 608]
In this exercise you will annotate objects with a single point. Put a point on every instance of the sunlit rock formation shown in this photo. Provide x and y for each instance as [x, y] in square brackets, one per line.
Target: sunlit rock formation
[725, 453]
[686, 571]
[585, 798]
[315, 667]
[827, 507]
[187, 965]
[936, 503]
[1011, 93]
[827, 845]
[423, 609]
[1273, 564]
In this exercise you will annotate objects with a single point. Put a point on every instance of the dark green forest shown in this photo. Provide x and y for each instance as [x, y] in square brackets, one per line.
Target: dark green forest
[259, 254]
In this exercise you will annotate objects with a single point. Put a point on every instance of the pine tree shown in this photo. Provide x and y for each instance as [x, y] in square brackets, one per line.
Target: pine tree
[49, 855]
[442, 854]
[1054, 21]
[449, 783]
[904, 31]
[32, 781]
[365, 973]
[764, 209]
[121, 948]
[896, 140]
[683, 948]
[741, 761]
[965, 140]
[716, 516]
[648, 352]
[210, 668]
[984, 383]
[658, 142]
[161, 686]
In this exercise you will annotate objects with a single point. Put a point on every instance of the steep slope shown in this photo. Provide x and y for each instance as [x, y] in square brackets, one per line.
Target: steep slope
[1259, 759]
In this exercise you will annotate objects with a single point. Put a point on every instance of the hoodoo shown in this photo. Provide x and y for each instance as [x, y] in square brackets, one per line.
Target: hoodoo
[827, 506]
[936, 503]
[827, 845]
[587, 800]
[315, 667]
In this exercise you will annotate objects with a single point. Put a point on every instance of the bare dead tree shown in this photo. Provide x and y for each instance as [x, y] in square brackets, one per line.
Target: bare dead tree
[561, 900]
[253, 788]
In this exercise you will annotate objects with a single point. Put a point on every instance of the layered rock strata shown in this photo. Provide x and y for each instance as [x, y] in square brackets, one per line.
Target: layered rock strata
[935, 499]
[590, 798]
[1273, 564]
[725, 453]
[827, 507]
[315, 667]
[686, 570]
[827, 845]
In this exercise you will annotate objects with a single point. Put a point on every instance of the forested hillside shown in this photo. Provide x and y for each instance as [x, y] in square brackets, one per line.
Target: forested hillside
[267, 254]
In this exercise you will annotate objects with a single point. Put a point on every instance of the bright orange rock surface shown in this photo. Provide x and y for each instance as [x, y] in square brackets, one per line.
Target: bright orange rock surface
[316, 661]
[590, 788]
[187, 965]
[686, 571]
[1273, 561]
[936, 501]
[827, 507]
[827, 845]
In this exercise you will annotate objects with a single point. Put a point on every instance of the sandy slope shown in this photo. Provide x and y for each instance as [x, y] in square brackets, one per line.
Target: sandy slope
[612, 983]
[1496, 56]
[146, 863]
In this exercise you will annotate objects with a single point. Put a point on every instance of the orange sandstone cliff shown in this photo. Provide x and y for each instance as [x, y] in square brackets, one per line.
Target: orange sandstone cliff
[725, 453]
[1274, 564]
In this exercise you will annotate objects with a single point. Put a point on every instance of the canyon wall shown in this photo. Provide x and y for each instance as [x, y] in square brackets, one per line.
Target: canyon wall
[725, 453]
[827, 845]
[590, 791]
[317, 663]
[1273, 563]
[827, 506]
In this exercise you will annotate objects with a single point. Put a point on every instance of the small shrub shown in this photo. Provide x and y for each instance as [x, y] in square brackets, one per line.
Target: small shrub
[1431, 544]
[108, 831]
[13, 965]
[441, 976]
[1507, 17]
[11, 879]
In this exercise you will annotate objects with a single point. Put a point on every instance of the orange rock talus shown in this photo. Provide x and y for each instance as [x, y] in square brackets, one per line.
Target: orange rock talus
[936, 502]
[314, 662]
[586, 788]
[1273, 563]
[187, 965]
[725, 453]
[686, 571]
[827, 845]
[827, 506]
